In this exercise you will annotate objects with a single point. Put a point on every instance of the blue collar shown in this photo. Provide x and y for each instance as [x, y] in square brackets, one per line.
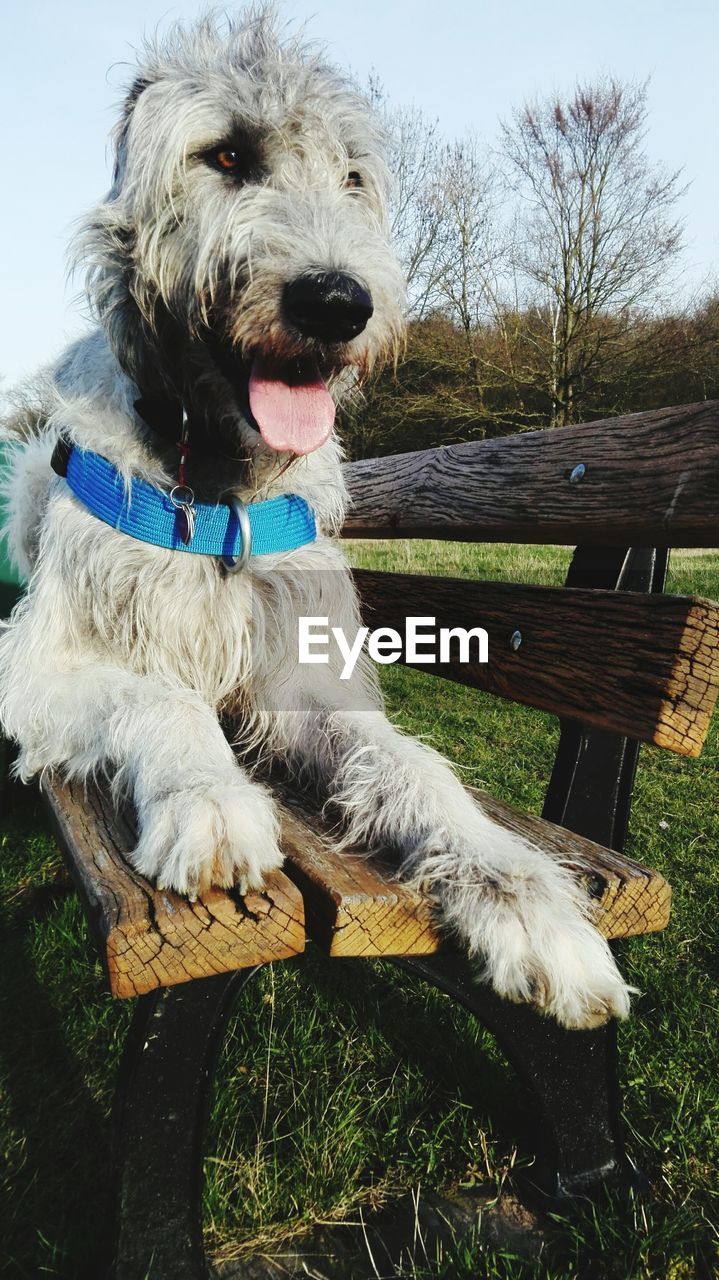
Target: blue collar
[149, 514]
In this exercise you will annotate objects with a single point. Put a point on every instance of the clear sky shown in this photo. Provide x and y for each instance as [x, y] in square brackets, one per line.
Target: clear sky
[63, 64]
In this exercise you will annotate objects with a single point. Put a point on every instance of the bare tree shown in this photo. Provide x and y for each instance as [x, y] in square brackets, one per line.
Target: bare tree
[597, 231]
[415, 210]
[470, 248]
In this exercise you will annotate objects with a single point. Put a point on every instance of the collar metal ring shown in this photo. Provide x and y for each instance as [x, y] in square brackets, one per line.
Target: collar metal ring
[234, 564]
[182, 496]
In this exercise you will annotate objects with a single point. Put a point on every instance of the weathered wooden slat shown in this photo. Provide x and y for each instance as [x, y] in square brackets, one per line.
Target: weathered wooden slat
[638, 664]
[650, 479]
[354, 906]
[630, 898]
[148, 939]
[357, 908]
[351, 909]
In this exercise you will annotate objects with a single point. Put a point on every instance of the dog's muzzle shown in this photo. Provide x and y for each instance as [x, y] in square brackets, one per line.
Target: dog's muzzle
[327, 305]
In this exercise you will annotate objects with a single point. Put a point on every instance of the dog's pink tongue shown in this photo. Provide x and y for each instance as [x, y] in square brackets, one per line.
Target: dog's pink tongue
[291, 405]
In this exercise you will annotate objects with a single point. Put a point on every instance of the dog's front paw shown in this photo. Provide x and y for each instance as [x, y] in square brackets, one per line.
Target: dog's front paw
[567, 971]
[221, 835]
[528, 927]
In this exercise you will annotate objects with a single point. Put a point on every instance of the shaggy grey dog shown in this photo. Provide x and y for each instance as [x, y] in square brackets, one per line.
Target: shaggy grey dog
[240, 269]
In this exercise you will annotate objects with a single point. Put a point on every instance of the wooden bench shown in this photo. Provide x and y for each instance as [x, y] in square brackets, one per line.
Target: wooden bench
[616, 660]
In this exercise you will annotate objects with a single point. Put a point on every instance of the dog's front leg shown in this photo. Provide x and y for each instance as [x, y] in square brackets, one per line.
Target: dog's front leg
[518, 911]
[201, 819]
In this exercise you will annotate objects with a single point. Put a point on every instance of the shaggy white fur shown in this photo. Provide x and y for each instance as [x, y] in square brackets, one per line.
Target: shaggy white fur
[122, 656]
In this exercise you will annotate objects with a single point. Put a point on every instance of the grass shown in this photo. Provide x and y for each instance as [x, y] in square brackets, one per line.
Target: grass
[339, 1087]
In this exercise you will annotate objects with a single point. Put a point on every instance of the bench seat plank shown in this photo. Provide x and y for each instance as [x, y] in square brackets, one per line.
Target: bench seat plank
[148, 939]
[355, 907]
[351, 907]
[644, 665]
[650, 479]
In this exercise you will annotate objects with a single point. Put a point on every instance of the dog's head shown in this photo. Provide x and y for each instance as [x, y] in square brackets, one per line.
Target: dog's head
[245, 240]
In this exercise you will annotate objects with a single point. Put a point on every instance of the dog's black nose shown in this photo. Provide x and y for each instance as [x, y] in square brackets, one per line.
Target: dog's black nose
[327, 305]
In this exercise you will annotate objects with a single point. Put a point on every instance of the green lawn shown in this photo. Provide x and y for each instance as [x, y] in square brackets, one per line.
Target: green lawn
[340, 1088]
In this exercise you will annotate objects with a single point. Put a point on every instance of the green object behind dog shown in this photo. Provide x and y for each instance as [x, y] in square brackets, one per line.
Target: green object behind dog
[9, 580]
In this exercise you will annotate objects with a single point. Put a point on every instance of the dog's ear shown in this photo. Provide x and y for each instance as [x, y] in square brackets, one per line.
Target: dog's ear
[138, 86]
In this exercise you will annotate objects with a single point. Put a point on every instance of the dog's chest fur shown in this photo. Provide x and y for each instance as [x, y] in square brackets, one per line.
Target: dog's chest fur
[180, 615]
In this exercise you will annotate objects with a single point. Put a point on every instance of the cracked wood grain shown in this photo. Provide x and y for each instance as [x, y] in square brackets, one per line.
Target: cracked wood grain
[357, 907]
[650, 479]
[642, 665]
[146, 938]
[354, 906]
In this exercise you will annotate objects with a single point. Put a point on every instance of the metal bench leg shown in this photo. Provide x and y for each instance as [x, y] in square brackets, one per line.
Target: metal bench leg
[569, 1076]
[162, 1101]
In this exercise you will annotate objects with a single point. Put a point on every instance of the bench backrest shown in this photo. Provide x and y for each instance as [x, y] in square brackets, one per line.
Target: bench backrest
[643, 480]
[631, 661]
[614, 658]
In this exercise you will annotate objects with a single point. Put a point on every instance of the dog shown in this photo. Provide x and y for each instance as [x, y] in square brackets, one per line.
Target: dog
[243, 283]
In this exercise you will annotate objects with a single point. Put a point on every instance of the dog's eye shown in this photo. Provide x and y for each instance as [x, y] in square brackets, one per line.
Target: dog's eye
[241, 161]
[228, 159]
[354, 179]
